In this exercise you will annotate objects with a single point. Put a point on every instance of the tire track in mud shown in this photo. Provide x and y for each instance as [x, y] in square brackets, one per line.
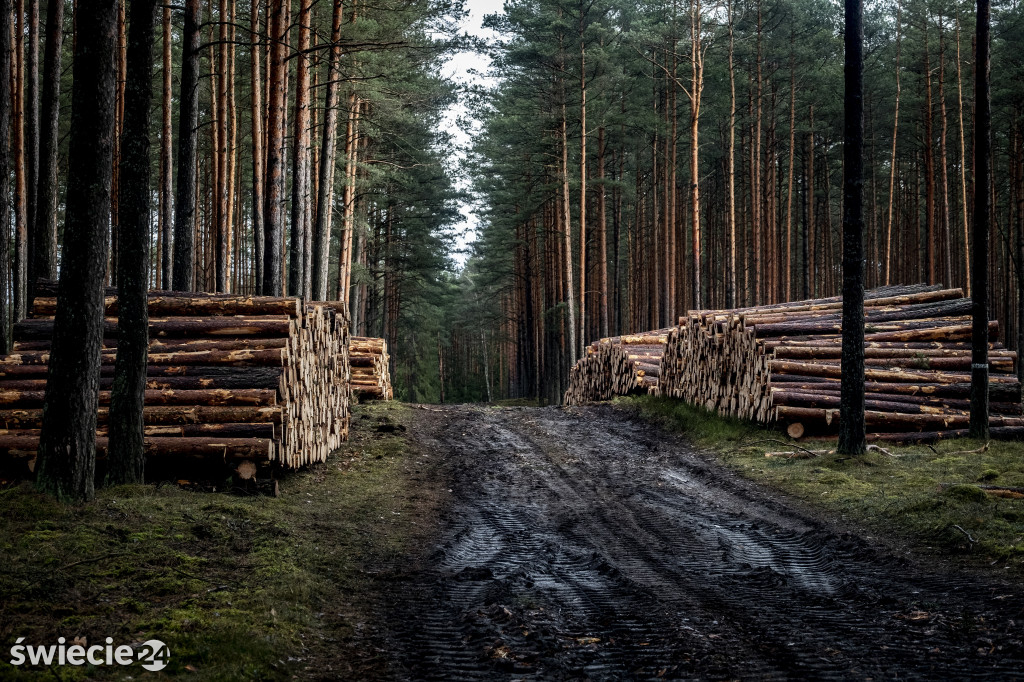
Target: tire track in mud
[582, 544]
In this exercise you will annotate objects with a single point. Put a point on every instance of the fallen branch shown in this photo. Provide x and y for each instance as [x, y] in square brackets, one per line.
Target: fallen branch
[983, 448]
[972, 540]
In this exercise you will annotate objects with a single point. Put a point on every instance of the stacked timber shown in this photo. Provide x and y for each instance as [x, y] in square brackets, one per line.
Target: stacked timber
[617, 365]
[249, 381]
[370, 363]
[781, 364]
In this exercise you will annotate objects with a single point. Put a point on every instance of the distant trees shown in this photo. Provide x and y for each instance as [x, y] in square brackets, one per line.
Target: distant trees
[751, 211]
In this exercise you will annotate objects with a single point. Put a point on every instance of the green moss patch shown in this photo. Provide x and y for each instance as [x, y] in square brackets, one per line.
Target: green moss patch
[239, 588]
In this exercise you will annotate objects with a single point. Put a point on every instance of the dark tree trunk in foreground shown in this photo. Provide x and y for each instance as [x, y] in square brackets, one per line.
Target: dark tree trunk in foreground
[5, 169]
[851, 413]
[46, 197]
[126, 458]
[979, 245]
[67, 444]
[183, 275]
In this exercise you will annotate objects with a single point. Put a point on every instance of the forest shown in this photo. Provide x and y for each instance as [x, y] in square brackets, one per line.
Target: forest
[628, 162]
[640, 160]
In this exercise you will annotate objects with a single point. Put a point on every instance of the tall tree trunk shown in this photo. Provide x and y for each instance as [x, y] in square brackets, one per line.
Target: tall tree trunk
[982, 212]
[126, 460]
[947, 233]
[963, 161]
[892, 162]
[166, 160]
[789, 174]
[328, 150]
[730, 294]
[37, 237]
[20, 274]
[696, 92]
[351, 159]
[300, 160]
[583, 187]
[183, 276]
[567, 229]
[46, 194]
[219, 93]
[258, 146]
[931, 242]
[602, 226]
[851, 414]
[274, 188]
[67, 454]
[6, 96]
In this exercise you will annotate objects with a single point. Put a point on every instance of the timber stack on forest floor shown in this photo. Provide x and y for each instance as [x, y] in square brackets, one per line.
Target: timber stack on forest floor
[618, 365]
[781, 364]
[248, 381]
[370, 363]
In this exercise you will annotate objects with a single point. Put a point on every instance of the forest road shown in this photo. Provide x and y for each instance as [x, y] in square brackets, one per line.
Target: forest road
[582, 544]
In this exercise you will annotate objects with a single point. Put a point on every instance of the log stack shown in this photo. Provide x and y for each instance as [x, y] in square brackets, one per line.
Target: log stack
[781, 364]
[250, 381]
[617, 365]
[370, 363]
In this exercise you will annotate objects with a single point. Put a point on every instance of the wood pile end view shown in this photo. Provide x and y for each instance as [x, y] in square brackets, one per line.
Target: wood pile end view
[246, 382]
[371, 368]
[780, 365]
[618, 365]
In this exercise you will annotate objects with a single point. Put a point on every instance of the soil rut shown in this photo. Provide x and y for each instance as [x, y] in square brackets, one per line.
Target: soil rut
[582, 544]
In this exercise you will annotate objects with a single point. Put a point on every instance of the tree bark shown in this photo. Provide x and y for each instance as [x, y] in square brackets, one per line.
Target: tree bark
[6, 92]
[258, 146]
[126, 457]
[328, 152]
[67, 454]
[46, 195]
[851, 419]
[982, 209]
[297, 275]
[21, 238]
[273, 227]
[730, 294]
[37, 237]
[696, 92]
[166, 220]
[183, 275]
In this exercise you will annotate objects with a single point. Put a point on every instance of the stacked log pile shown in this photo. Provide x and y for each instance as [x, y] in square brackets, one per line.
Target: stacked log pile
[249, 381]
[618, 365]
[781, 364]
[370, 363]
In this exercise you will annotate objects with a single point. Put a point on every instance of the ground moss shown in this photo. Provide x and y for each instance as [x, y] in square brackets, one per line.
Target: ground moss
[928, 495]
[240, 588]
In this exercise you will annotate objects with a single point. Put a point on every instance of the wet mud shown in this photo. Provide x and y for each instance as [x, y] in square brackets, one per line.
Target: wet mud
[582, 544]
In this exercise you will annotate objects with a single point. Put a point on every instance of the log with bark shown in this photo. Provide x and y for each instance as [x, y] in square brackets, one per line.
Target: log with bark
[260, 379]
[780, 364]
[370, 366]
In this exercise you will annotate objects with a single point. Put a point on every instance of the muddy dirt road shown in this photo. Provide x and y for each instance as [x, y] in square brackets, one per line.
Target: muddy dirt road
[584, 545]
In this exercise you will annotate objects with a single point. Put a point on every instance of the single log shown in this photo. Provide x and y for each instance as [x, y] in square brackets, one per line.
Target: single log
[264, 326]
[176, 303]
